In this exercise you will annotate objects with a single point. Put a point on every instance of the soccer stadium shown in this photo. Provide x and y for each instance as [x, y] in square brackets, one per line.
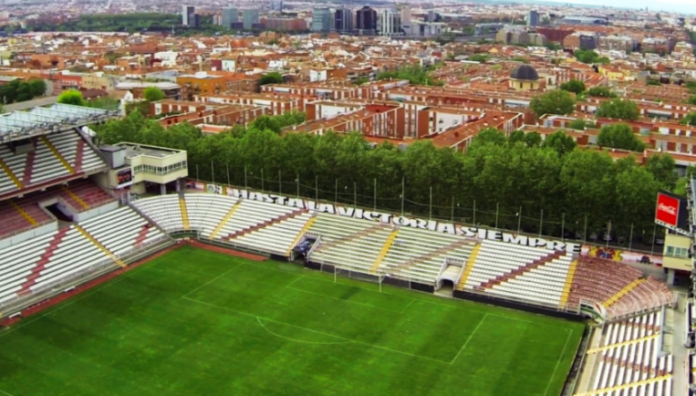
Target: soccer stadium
[179, 287]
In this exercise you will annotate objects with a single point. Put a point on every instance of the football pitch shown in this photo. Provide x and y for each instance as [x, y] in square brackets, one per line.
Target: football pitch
[195, 322]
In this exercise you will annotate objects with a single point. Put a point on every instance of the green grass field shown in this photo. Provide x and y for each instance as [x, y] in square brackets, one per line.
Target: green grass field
[193, 322]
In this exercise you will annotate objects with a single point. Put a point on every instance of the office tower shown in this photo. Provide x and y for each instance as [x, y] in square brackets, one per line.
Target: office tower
[366, 20]
[322, 19]
[533, 18]
[250, 19]
[389, 23]
[229, 16]
[343, 20]
[188, 15]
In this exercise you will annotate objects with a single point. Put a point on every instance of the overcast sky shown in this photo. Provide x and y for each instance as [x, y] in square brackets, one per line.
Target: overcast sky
[685, 6]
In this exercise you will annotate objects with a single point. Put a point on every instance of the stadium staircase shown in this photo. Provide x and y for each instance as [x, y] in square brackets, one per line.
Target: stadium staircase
[29, 168]
[10, 174]
[519, 271]
[74, 200]
[43, 260]
[385, 249]
[184, 212]
[469, 266]
[300, 234]
[265, 224]
[57, 154]
[23, 213]
[611, 301]
[568, 284]
[225, 219]
[101, 247]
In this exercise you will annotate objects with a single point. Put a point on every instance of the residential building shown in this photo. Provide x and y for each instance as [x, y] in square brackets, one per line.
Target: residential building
[250, 19]
[533, 18]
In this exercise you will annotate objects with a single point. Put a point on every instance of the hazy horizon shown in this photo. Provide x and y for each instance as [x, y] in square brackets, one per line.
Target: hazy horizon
[681, 6]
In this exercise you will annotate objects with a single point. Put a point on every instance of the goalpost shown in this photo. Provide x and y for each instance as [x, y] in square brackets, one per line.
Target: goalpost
[362, 276]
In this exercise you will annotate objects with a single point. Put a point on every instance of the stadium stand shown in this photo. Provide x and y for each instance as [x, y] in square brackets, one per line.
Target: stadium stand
[29, 211]
[59, 228]
[620, 288]
[52, 258]
[56, 157]
[507, 271]
[629, 359]
[536, 276]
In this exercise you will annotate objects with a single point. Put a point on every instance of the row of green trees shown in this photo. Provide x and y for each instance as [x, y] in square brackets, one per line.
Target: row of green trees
[20, 90]
[554, 184]
[562, 102]
[416, 74]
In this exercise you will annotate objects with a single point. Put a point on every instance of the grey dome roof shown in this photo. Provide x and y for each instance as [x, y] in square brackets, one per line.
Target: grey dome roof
[525, 72]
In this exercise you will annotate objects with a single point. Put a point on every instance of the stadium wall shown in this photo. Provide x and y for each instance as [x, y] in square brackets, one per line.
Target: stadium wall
[518, 306]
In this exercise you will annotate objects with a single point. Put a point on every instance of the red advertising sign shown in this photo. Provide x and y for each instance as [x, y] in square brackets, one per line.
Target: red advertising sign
[667, 211]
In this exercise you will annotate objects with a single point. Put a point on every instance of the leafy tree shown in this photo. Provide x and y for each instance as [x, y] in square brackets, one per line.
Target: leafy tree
[662, 167]
[532, 139]
[479, 58]
[72, 97]
[417, 75]
[153, 94]
[515, 137]
[520, 59]
[601, 92]
[692, 100]
[622, 109]
[553, 102]
[265, 122]
[589, 56]
[491, 136]
[619, 136]
[574, 86]
[560, 142]
[361, 81]
[689, 119]
[271, 78]
[578, 124]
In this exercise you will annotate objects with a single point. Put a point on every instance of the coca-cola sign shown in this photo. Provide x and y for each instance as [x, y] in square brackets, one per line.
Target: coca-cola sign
[667, 211]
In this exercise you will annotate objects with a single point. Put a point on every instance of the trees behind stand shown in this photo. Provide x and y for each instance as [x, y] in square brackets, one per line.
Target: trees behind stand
[489, 185]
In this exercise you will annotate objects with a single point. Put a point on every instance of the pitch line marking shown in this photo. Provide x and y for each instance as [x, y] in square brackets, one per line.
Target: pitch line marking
[304, 342]
[558, 362]
[348, 301]
[8, 394]
[212, 280]
[469, 339]
[408, 306]
[318, 332]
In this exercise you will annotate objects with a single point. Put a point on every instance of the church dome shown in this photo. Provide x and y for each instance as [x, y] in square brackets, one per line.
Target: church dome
[525, 72]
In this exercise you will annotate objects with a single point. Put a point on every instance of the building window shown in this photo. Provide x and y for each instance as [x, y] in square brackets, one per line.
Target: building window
[677, 252]
[158, 170]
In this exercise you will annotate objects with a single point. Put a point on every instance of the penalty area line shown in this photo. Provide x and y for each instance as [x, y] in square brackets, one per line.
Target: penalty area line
[558, 362]
[348, 340]
[469, 339]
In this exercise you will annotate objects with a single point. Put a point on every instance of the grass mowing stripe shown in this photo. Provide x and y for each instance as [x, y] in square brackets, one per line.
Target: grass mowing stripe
[318, 332]
[212, 280]
[210, 342]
